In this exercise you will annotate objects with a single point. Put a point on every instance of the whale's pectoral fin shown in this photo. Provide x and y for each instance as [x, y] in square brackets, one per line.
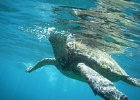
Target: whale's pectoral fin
[46, 61]
[99, 84]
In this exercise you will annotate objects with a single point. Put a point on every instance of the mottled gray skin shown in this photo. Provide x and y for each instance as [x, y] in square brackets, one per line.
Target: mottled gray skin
[90, 65]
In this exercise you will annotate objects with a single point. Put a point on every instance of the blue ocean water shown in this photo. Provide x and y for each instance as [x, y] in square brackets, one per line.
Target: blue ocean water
[23, 24]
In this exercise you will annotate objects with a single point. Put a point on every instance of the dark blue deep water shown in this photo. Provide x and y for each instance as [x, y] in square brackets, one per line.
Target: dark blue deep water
[23, 25]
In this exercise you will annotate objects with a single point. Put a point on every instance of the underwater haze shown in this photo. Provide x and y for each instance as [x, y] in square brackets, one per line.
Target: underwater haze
[24, 28]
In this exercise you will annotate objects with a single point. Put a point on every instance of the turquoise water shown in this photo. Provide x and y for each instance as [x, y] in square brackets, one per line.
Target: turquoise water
[23, 42]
